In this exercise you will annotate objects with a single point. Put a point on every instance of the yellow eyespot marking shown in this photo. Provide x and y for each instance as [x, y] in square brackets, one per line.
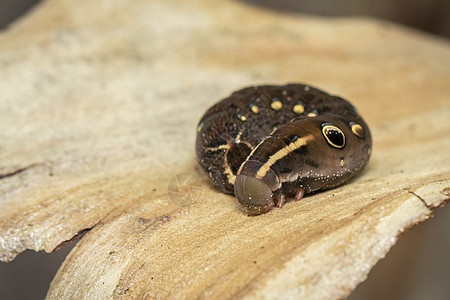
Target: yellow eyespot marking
[276, 104]
[334, 136]
[254, 108]
[342, 162]
[312, 114]
[242, 117]
[282, 153]
[357, 129]
[299, 109]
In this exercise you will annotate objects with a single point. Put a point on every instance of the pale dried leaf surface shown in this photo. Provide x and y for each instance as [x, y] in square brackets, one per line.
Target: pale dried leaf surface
[98, 108]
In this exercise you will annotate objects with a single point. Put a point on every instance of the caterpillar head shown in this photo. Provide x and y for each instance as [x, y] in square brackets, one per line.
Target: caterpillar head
[255, 193]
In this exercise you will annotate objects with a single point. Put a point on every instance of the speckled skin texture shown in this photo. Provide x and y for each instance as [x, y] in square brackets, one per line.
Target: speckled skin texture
[292, 136]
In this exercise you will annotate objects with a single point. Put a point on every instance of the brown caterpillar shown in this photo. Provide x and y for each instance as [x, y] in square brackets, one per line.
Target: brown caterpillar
[264, 142]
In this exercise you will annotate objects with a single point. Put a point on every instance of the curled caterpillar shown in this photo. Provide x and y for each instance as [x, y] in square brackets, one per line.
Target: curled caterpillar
[264, 142]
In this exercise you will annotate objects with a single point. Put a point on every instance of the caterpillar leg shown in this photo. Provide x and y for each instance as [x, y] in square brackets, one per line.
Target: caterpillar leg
[279, 199]
[263, 210]
[299, 194]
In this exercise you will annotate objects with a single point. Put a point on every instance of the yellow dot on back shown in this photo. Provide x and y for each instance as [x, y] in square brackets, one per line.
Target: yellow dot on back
[312, 114]
[242, 117]
[254, 108]
[276, 104]
[298, 109]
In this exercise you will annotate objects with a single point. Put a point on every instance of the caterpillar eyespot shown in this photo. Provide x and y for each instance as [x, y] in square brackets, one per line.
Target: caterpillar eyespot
[334, 136]
[265, 142]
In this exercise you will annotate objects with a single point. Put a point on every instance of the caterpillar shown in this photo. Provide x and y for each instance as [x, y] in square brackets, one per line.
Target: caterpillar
[263, 143]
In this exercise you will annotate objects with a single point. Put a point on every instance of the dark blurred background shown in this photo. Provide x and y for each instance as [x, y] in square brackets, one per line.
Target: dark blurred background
[432, 16]
[10, 10]
[417, 267]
